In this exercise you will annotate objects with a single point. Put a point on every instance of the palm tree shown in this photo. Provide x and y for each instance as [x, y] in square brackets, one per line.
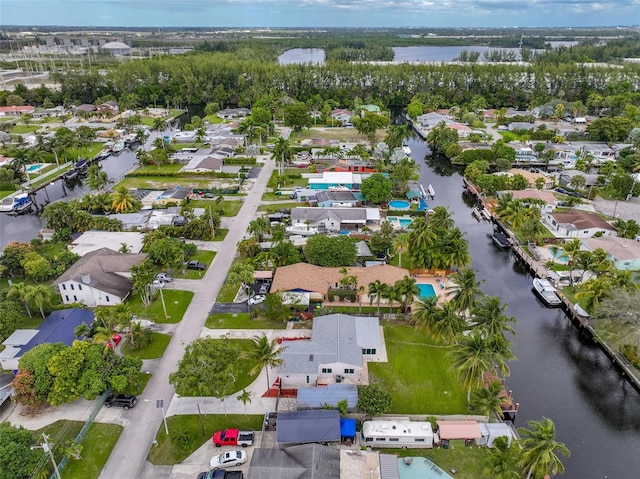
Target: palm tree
[502, 461]
[408, 290]
[397, 134]
[244, 397]
[489, 315]
[376, 290]
[82, 331]
[487, 400]
[40, 295]
[20, 291]
[391, 294]
[595, 289]
[97, 179]
[425, 314]
[539, 447]
[265, 353]
[448, 324]
[259, 227]
[465, 289]
[515, 213]
[471, 358]
[401, 245]
[571, 250]
[441, 218]
[361, 291]
[623, 281]
[122, 200]
[282, 153]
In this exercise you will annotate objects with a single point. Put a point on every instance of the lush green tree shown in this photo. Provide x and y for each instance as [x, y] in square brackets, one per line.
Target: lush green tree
[472, 358]
[286, 253]
[400, 245]
[34, 381]
[501, 463]
[397, 134]
[330, 250]
[376, 291]
[20, 292]
[12, 258]
[539, 456]
[609, 129]
[369, 124]
[18, 458]
[36, 267]
[97, 179]
[122, 200]
[259, 227]
[265, 354]
[377, 188]
[207, 367]
[39, 295]
[167, 253]
[489, 315]
[142, 275]
[440, 137]
[407, 291]
[487, 400]
[297, 116]
[373, 400]
[465, 288]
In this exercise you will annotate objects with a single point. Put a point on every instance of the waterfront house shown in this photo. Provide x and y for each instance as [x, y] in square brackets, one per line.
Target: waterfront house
[330, 180]
[432, 119]
[94, 240]
[532, 178]
[332, 219]
[548, 197]
[328, 199]
[339, 348]
[624, 252]
[16, 110]
[204, 163]
[577, 224]
[99, 278]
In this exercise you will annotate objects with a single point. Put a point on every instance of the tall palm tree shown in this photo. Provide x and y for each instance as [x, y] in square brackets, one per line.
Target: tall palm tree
[401, 245]
[408, 290]
[441, 218]
[82, 331]
[571, 250]
[465, 289]
[122, 200]
[471, 358]
[97, 179]
[40, 295]
[425, 314]
[265, 353]
[501, 462]
[595, 290]
[539, 449]
[489, 315]
[376, 290]
[487, 400]
[391, 294]
[259, 227]
[20, 292]
[449, 324]
[244, 398]
[515, 213]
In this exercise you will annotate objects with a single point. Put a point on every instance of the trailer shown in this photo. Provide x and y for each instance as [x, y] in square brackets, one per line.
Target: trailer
[405, 434]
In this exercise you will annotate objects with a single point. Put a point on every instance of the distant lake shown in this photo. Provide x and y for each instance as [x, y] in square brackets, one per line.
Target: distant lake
[438, 54]
[305, 56]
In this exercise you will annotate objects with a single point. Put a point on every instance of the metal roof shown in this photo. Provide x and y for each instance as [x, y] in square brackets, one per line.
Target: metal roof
[389, 466]
[308, 461]
[308, 426]
[316, 397]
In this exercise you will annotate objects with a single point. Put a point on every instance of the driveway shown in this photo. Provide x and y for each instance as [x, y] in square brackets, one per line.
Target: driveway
[220, 308]
[129, 457]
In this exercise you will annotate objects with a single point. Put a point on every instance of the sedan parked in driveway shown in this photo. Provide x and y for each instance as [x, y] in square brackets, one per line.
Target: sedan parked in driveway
[228, 459]
[257, 299]
[164, 277]
[199, 265]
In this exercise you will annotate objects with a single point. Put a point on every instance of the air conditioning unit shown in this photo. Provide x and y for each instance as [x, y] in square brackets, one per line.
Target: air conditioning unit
[339, 378]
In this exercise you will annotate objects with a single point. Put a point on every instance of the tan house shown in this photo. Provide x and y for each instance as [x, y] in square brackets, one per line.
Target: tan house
[531, 177]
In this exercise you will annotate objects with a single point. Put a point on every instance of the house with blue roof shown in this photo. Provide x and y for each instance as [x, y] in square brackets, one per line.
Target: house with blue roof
[58, 327]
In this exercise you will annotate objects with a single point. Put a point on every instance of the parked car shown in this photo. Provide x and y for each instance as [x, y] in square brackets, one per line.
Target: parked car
[232, 437]
[257, 299]
[115, 340]
[562, 190]
[228, 459]
[164, 277]
[221, 474]
[199, 265]
[264, 289]
[124, 401]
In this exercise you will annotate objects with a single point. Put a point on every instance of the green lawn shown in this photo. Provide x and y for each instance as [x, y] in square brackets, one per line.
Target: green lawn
[23, 129]
[88, 151]
[365, 308]
[468, 462]
[5, 193]
[201, 255]
[52, 176]
[190, 427]
[176, 302]
[274, 208]
[213, 119]
[153, 350]
[96, 448]
[240, 321]
[138, 388]
[161, 182]
[221, 234]
[153, 170]
[418, 374]
[231, 207]
[227, 293]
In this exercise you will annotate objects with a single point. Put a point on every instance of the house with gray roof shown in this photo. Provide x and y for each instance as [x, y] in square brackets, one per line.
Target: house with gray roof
[307, 461]
[334, 219]
[339, 348]
[327, 199]
[99, 278]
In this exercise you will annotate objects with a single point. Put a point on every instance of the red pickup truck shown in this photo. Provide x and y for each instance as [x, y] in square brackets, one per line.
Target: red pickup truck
[233, 437]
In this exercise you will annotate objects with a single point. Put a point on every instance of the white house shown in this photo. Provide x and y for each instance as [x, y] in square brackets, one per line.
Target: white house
[99, 278]
[339, 348]
[577, 224]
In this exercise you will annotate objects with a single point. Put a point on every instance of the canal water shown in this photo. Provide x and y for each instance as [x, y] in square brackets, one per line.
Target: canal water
[557, 374]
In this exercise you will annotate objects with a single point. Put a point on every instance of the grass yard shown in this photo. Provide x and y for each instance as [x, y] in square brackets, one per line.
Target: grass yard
[469, 462]
[189, 429]
[274, 208]
[162, 183]
[213, 119]
[5, 193]
[138, 388]
[228, 292]
[201, 255]
[23, 129]
[153, 350]
[176, 302]
[96, 448]
[365, 309]
[221, 234]
[153, 170]
[88, 151]
[47, 179]
[231, 207]
[417, 374]
[336, 133]
[240, 321]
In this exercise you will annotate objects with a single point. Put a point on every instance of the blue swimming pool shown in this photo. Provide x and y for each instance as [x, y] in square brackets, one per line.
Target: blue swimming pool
[399, 205]
[404, 222]
[420, 468]
[35, 167]
[426, 291]
[559, 255]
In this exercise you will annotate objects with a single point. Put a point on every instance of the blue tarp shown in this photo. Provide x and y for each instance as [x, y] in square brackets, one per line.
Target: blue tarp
[347, 427]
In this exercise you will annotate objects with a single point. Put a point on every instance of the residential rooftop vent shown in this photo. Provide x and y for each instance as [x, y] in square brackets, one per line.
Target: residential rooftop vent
[311, 357]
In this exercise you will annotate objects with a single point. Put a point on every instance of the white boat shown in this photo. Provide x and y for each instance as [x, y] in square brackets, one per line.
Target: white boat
[118, 147]
[486, 214]
[406, 150]
[546, 292]
[431, 191]
[18, 203]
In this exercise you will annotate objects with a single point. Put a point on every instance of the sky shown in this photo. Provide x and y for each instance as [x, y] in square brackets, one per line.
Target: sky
[321, 13]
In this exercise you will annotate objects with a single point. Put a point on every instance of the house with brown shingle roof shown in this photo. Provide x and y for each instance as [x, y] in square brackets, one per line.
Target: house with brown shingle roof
[304, 277]
[99, 278]
[577, 224]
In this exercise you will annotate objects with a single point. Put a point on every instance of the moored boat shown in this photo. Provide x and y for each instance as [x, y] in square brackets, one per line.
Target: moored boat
[546, 292]
[501, 240]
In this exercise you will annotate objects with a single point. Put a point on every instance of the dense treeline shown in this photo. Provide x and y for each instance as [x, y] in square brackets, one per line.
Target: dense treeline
[592, 51]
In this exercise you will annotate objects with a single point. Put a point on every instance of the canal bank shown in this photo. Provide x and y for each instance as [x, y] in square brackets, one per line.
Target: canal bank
[560, 373]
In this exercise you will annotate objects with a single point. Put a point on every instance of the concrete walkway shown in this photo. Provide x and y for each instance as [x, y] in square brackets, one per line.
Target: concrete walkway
[128, 458]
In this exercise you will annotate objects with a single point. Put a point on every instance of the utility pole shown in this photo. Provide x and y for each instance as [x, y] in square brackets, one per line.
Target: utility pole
[46, 447]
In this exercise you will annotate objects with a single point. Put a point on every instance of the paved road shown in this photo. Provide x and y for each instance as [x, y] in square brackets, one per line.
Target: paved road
[128, 458]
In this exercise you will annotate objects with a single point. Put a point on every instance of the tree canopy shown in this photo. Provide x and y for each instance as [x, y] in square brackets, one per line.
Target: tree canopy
[330, 250]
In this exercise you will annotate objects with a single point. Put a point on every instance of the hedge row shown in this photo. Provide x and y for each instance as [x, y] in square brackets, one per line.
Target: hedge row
[240, 161]
[406, 212]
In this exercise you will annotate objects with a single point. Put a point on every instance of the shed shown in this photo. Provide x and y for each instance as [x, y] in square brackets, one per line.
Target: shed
[459, 430]
[492, 431]
[316, 397]
[301, 427]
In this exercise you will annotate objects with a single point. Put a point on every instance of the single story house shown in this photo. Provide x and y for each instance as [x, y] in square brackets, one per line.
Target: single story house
[548, 181]
[577, 224]
[308, 461]
[58, 327]
[94, 240]
[99, 278]
[230, 113]
[520, 125]
[342, 115]
[334, 219]
[343, 180]
[328, 199]
[201, 164]
[566, 176]
[375, 109]
[16, 110]
[339, 347]
[85, 108]
[624, 252]
[354, 165]
[175, 195]
[546, 196]
[432, 119]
